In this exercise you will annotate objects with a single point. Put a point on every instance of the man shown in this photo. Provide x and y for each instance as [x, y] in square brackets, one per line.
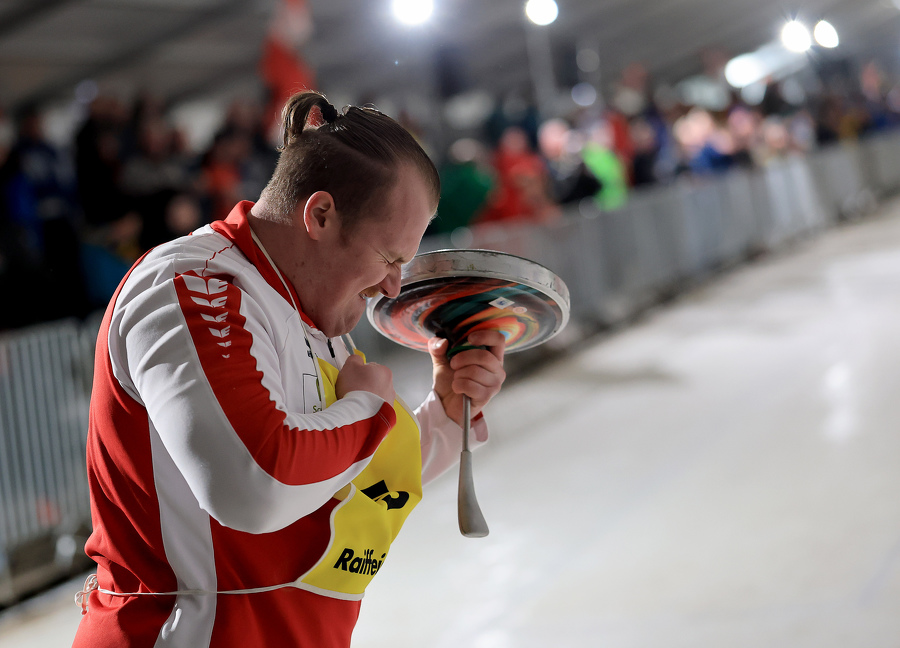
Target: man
[248, 470]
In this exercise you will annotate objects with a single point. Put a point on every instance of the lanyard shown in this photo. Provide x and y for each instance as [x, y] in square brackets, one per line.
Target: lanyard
[297, 309]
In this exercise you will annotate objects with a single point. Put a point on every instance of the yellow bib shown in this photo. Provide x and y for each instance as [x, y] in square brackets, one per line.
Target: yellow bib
[373, 506]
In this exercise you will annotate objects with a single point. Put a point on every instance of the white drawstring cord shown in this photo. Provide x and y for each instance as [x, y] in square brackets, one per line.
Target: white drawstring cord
[81, 599]
[91, 584]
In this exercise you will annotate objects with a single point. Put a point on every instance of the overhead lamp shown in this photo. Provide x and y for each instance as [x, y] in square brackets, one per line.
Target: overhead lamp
[770, 60]
[413, 12]
[745, 69]
[795, 36]
[541, 12]
[825, 34]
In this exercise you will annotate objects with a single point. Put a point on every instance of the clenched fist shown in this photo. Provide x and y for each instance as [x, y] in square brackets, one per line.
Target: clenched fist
[358, 375]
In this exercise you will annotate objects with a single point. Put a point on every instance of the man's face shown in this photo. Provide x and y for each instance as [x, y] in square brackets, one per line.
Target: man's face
[366, 261]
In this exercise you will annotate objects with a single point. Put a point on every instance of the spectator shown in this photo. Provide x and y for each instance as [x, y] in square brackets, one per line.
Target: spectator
[707, 147]
[246, 116]
[631, 96]
[829, 111]
[602, 161]
[646, 151]
[151, 178]
[7, 135]
[111, 227]
[40, 202]
[466, 183]
[773, 101]
[98, 163]
[874, 99]
[618, 136]
[522, 191]
[570, 179]
[513, 109]
[776, 141]
[222, 171]
[743, 126]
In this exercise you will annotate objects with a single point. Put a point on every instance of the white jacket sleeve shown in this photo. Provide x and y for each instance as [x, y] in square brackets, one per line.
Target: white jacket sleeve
[442, 437]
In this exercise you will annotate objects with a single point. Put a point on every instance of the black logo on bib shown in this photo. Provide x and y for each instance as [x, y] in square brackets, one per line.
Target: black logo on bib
[381, 493]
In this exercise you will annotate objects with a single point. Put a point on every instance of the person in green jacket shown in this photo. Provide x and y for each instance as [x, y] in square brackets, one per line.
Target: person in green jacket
[606, 166]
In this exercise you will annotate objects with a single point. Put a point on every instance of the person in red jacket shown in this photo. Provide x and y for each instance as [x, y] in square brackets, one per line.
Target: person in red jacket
[248, 469]
[522, 188]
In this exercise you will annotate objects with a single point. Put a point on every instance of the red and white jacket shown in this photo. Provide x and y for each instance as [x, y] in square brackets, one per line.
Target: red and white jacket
[215, 462]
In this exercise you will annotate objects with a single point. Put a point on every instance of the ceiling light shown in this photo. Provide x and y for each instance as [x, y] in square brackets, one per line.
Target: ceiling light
[743, 70]
[413, 12]
[826, 35]
[795, 36]
[770, 60]
[541, 12]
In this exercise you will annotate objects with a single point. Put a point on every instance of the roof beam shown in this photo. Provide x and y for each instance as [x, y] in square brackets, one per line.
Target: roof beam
[139, 50]
[27, 12]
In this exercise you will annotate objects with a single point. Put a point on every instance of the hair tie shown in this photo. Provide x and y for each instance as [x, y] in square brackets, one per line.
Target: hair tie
[329, 113]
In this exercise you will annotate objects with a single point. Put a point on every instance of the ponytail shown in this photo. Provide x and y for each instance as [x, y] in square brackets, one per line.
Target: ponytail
[296, 113]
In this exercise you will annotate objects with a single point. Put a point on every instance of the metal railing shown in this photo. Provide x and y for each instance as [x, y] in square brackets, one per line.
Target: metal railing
[616, 264]
[45, 380]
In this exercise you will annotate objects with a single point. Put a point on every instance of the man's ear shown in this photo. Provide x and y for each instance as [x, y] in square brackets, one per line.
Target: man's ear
[320, 216]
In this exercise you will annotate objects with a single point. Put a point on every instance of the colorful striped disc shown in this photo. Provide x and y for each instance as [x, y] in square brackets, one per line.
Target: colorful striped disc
[449, 293]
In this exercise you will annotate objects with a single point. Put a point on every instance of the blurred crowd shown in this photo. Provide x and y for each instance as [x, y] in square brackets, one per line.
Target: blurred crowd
[527, 169]
[73, 219]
